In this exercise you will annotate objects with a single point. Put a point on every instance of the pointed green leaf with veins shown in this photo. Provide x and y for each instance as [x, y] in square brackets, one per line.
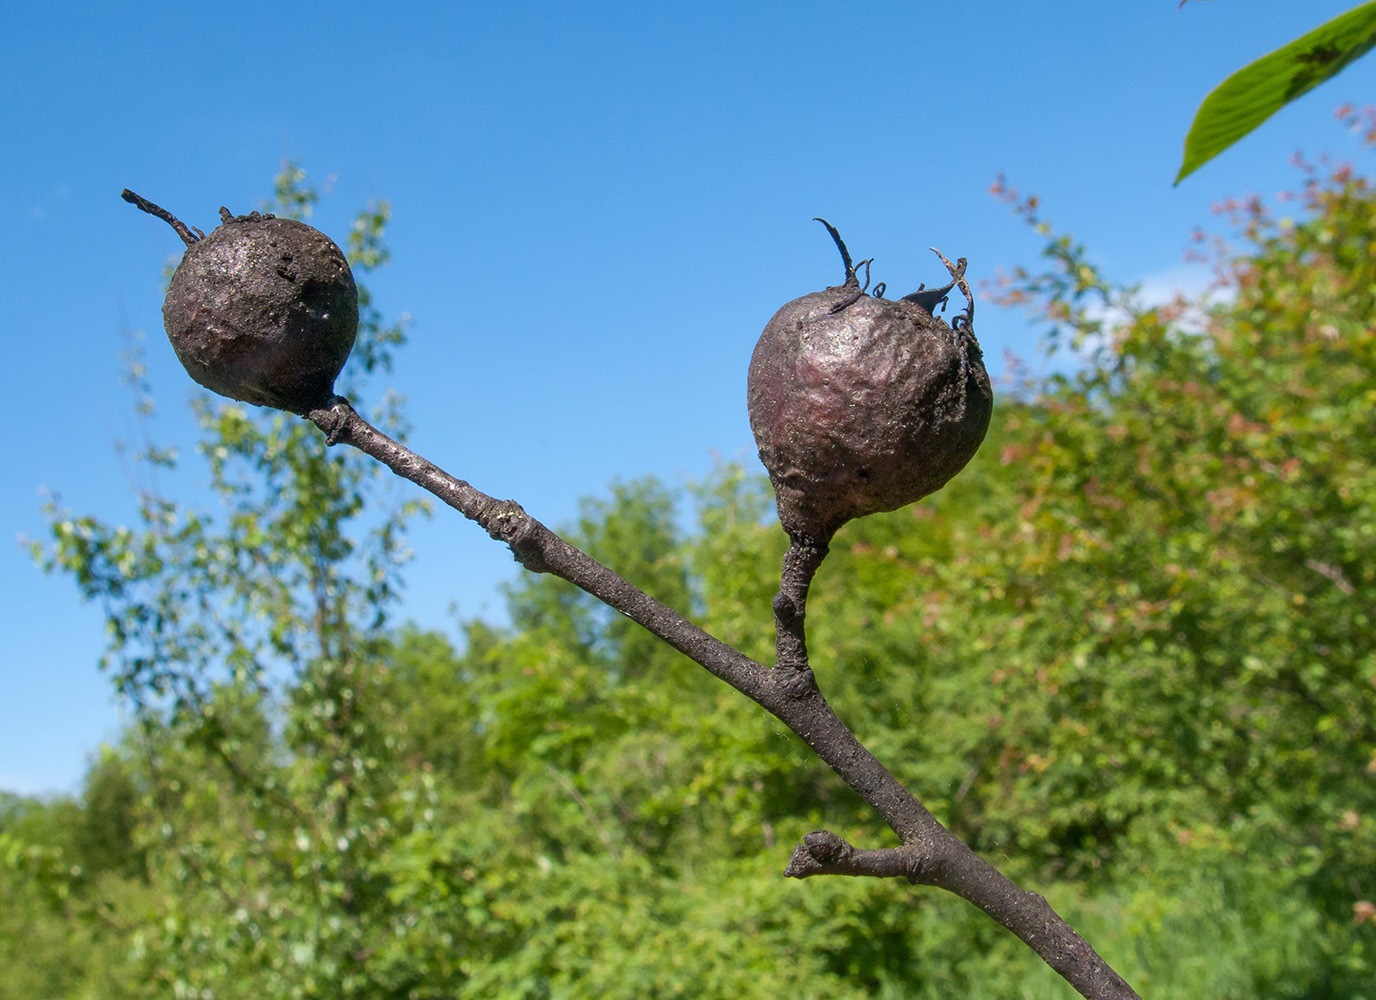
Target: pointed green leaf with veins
[1257, 91]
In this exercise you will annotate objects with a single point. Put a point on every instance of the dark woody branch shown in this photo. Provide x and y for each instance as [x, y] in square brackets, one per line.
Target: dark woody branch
[929, 853]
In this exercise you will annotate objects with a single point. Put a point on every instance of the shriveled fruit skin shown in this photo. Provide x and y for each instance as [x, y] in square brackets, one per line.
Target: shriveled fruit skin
[863, 409]
[264, 310]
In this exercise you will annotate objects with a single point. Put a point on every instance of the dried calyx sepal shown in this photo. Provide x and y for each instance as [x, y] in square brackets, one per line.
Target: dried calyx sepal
[262, 309]
[862, 404]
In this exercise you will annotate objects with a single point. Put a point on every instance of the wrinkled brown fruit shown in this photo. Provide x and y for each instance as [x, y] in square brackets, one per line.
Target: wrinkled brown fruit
[861, 404]
[262, 310]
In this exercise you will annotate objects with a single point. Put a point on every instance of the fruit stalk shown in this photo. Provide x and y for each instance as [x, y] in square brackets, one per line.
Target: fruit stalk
[801, 562]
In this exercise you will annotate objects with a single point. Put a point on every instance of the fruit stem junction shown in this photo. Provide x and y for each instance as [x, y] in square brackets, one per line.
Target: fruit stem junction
[189, 234]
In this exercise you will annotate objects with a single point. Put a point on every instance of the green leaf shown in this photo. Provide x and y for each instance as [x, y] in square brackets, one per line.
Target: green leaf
[1257, 91]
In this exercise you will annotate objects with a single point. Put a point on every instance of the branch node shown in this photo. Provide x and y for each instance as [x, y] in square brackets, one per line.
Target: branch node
[795, 681]
[333, 419]
[826, 846]
[820, 853]
[508, 522]
[786, 608]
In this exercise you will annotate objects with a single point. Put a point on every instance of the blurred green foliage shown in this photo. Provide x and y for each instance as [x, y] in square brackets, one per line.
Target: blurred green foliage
[1127, 655]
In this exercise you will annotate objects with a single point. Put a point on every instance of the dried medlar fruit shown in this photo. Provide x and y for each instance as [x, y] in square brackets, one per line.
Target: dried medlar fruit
[262, 310]
[861, 404]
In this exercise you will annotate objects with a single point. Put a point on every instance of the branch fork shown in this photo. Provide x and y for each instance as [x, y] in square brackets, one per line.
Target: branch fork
[929, 854]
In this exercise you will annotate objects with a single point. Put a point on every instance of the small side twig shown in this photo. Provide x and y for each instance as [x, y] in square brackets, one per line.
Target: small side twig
[824, 853]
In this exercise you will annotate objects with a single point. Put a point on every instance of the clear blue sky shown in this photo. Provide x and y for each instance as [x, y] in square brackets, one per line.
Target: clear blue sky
[597, 207]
